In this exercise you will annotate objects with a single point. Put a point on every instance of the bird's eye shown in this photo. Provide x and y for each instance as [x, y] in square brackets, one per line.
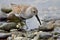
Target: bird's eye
[34, 11]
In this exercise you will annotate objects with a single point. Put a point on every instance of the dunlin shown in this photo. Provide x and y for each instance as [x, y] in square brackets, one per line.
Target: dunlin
[24, 11]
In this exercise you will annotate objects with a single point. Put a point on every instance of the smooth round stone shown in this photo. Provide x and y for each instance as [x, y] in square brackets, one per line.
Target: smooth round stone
[13, 30]
[4, 35]
[21, 38]
[31, 36]
[56, 30]
[57, 23]
[7, 26]
[45, 35]
[2, 31]
[58, 39]
[49, 26]
[9, 38]
[3, 15]
[55, 36]
[18, 38]
[6, 9]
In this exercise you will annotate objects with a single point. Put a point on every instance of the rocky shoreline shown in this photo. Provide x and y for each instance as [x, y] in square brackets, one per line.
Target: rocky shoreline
[49, 31]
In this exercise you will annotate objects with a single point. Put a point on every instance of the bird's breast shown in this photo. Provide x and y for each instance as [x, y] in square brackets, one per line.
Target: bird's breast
[26, 15]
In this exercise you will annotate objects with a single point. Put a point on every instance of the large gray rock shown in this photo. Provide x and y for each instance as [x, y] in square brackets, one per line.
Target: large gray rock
[7, 26]
[45, 35]
[3, 31]
[57, 23]
[56, 30]
[4, 35]
[42, 35]
[58, 39]
[5, 8]
[13, 30]
[47, 26]
[2, 15]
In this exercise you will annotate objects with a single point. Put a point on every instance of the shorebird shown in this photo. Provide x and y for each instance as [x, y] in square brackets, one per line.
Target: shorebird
[24, 12]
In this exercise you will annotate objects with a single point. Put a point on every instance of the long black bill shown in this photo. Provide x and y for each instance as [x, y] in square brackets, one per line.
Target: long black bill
[38, 19]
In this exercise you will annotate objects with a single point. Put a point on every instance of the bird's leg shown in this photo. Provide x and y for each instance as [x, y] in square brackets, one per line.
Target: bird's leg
[26, 24]
[23, 23]
[38, 19]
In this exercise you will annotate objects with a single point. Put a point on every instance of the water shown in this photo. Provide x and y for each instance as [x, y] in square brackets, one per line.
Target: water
[45, 7]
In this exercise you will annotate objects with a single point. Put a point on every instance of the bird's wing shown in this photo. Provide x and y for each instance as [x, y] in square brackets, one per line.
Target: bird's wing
[19, 8]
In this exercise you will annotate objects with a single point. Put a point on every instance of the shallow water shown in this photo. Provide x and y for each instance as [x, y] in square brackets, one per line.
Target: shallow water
[49, 8]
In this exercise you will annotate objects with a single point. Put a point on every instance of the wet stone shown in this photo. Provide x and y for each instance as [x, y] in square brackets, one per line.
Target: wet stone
[3, 31]
[57, 23]
[7, 26]
[13, 30]
[31, 36]
[5, 35]
[22, 38]
[45, 35]
[49, 26]
[56, 30]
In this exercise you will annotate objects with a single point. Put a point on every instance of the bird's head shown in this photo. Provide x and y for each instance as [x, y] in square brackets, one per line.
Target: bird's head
[30, 12]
